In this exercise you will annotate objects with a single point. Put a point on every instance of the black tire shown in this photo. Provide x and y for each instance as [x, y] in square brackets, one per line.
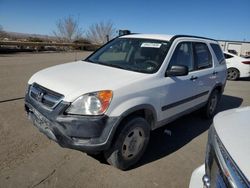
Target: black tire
[130, 144]
[210, 109]
[233, 74]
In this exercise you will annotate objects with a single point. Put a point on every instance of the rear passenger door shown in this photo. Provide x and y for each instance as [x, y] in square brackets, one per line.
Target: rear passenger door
[220, 64]
[204, 69]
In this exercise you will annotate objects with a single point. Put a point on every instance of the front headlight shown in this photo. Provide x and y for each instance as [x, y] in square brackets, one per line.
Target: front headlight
[95, 103]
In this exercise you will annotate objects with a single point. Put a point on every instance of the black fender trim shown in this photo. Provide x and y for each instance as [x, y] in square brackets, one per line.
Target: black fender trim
[219, 85]
[140, 107]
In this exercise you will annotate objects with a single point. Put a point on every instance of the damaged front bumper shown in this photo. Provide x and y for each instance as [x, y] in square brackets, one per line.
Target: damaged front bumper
[90, 134]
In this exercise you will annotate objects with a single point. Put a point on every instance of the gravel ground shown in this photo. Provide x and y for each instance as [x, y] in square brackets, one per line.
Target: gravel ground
[29, 159]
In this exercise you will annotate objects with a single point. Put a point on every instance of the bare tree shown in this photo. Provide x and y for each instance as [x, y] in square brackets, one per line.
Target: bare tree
[67, 29]
[99, 33]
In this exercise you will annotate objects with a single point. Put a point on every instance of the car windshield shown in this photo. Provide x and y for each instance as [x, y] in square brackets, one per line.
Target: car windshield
[133, 54]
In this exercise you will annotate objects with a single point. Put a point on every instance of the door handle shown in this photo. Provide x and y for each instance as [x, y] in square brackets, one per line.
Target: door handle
[215, 73]
[194, 78]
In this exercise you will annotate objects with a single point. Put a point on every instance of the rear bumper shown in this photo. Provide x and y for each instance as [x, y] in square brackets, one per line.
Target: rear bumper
[90, 134]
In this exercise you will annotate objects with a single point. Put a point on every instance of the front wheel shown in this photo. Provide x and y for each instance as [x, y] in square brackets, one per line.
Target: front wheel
[212, 103]
[130, 144]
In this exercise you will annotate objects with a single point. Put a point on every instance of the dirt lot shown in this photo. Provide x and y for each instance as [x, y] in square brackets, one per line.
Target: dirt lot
[29, 159]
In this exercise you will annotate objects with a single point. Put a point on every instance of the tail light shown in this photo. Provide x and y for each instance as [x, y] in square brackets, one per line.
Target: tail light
[246, 62]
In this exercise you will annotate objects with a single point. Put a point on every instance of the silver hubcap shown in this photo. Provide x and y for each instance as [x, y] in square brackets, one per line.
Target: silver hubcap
[213, 104]
[133, 143]
[232, 74]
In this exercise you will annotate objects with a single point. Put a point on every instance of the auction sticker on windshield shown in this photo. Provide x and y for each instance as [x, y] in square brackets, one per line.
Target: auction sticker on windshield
[151, 45]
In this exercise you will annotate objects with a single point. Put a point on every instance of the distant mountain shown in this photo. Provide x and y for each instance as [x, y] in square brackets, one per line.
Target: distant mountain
[24, 37]
[28, 35]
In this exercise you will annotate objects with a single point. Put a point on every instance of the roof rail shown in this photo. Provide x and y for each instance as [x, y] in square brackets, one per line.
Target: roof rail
[181, 36]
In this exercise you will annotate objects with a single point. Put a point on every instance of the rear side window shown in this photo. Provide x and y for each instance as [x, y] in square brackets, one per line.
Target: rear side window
[227, 56]
[217, 50]
[203, 58]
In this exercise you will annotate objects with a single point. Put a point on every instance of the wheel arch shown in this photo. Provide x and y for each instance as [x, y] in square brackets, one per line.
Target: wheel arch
[145, 111]
[220, 87]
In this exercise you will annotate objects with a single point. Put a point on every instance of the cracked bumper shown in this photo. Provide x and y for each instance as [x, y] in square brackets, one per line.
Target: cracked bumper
[90, 134]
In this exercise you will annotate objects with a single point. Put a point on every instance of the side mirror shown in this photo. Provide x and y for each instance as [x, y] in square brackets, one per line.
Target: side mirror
[177, 70]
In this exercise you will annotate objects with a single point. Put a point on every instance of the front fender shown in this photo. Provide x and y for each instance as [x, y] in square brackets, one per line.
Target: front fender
[129, 106]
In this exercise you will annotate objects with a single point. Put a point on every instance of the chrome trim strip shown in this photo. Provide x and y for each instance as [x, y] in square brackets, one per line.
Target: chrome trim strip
[42, 95]
[227, 165]
[183, 101]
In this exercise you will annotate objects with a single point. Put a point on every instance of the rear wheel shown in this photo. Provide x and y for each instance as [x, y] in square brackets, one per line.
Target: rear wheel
[212, 103]
[130, 144]
[233, 74]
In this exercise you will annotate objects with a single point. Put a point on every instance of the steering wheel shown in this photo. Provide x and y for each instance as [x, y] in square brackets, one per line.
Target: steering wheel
[151, 63]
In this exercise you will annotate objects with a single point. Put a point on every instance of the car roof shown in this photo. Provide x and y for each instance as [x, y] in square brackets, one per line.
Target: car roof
[150, 36]
[164, 37]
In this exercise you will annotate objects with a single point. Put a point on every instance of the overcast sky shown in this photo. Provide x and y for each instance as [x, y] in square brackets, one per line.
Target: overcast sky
[218, 19]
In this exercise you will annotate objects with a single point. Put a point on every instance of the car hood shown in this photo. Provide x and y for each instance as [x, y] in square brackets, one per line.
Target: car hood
[233, 129]
[77, 78]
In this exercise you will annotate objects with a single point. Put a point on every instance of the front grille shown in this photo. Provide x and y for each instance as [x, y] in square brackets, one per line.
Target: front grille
[217, 177]
[45, 96]
[222, 170]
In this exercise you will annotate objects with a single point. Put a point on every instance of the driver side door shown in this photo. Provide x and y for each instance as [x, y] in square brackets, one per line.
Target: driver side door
[180, 92]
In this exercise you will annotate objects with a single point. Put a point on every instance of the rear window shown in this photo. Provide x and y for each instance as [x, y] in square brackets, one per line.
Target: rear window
[217, 50]
[203, 57]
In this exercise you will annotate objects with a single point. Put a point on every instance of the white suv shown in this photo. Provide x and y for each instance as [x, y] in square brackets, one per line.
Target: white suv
[110, 101]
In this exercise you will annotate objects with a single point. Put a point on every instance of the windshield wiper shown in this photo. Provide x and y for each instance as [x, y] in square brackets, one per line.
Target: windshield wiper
[116, 66]
[88, 60]
[125, 68]
[96, 62]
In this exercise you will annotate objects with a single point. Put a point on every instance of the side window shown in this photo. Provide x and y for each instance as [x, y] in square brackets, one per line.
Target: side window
[183, 55]
[202, 56]
[217, 50]
[227, 56]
